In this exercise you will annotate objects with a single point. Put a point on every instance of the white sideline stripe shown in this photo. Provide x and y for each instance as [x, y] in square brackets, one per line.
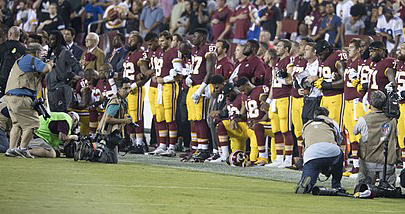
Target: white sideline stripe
[125, 186]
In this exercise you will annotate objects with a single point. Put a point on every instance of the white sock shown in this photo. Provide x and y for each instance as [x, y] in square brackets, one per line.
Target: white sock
[288, 160]
[356, 163]
[171, 146]
[403, 165]
[162, 146]
[262, 155]
[225, 151]
[194, 147]
[204, 146]
[215, 151]
[279, 158]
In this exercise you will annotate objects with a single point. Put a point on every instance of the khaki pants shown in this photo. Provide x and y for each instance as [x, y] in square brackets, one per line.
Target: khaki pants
[21, 112]
[367, 169]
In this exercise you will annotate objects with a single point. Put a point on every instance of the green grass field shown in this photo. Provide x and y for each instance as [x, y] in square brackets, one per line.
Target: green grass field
[65, 186]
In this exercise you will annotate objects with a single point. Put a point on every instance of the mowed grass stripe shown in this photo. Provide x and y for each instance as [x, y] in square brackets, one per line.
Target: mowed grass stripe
[65, 186]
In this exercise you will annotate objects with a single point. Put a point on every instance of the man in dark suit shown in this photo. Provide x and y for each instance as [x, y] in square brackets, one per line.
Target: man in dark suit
[69, 35]
[118, 52]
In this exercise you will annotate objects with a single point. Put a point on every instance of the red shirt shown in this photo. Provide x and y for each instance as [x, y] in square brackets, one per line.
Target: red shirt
[235, 106]
[224, 67]
[252, 103]
[198, 58]
[155, 63]
[280, 90]
[350, 91]
[400, 78]
[242, 25]
[223, 15]
[329, 72]
[104, 88]
[167, 59]
[378, 77]
[131, 68]
[252, 67]
[299, 65]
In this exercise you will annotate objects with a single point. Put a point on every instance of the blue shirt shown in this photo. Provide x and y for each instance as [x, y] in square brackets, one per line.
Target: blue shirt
[335, 22]
[92, 13]
[149, 16]
[25, 64]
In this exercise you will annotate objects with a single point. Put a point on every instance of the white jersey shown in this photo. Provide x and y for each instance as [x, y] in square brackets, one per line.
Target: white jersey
[393, 27]
[31, 20]
[312, 70]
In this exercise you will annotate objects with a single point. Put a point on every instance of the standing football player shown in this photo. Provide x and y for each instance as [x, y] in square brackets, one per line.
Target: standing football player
[203, 59]
[224, 64]
[400, 78]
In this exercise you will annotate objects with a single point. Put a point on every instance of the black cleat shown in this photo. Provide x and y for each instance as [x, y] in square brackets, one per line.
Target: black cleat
[201, 155]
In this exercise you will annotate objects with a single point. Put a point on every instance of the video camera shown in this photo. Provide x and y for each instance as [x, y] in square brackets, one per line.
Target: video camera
[39, 107]
[324, 191]
[391, 108]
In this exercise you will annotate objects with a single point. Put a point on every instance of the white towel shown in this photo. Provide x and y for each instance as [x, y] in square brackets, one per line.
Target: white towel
[160, 94]
[273, 105]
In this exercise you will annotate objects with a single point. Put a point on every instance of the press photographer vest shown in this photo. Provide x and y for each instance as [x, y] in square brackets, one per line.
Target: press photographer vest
[373, 150]
[106, 128]
[46, 134]
[317, 131]
[19, 79]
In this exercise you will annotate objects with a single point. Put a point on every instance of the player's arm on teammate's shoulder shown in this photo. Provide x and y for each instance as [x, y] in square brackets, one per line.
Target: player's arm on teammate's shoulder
[340, 66]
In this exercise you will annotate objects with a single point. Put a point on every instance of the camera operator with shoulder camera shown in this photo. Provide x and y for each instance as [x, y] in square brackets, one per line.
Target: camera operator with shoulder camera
[322, 153]
[52, 133]
[21, 90]
[110, 129]
[371, 145]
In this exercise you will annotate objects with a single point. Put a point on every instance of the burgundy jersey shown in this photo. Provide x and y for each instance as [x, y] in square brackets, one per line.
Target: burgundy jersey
[349, 90]
[103, 88]
[252, 67]
[156, 63]
[167, 59]
[378, 77]
[224, 67]
[199, 61]
[268, 75]
[242, 25]
[299, 65]
[223, 15]
[131, 68]
[280, 90]
[252, 103]
[329, 72]
[365, 70]
[235, 106]
[400, 78]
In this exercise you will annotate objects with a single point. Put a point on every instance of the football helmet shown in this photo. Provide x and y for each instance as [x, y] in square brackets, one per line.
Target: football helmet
[238, 158]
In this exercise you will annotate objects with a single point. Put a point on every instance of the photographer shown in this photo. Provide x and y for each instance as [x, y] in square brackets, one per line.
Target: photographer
[52, 133]
[322, 153]
[110, 128]
[21, 90]
[371, 148]
[66, 66]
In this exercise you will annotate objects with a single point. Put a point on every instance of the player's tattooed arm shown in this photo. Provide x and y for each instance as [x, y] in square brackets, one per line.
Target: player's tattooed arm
[211, 59]
[339, 83]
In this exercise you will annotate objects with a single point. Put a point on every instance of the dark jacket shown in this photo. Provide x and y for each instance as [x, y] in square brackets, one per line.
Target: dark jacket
[76, 51]
[10, 51]
[114, 61]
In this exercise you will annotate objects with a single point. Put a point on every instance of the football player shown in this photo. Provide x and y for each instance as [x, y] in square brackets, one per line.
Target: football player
[224, 65]
[331, 71]
[257, 118]
[132, 71]
[299, 64]
[168, 90]
[253, 67]
[203, 59]
[280, 106]
[400, 78]
[351, 96]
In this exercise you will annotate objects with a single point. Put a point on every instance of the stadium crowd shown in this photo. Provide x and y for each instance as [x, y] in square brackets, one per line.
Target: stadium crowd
[223, 78]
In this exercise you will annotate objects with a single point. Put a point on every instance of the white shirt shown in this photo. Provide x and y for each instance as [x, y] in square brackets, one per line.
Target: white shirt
[312, 69]
[31, 22]
[346, 9]
[393, 28]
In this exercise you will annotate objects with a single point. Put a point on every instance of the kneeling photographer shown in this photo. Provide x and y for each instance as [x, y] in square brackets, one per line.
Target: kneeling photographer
[110, 129]
[53, 132]
[21, 90]
[322, 153]
[374, 136]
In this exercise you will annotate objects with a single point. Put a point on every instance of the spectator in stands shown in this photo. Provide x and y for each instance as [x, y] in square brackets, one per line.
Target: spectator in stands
[241, 20]
[331, 26]
[69, 36]
[93, 57]
[346, 9]
[177, 11]
[314, 20]
[167, 9]
[66, 11]
[211, 7]
[303, 32]
[255, 28]
[151, 18]
[198, 17]
[353, 25]
[42, 8]
[304, 9]
[272, 20]
[134, 16]
[10, 51]
[183, 22]
[52, 21]
[115, 14]
[390, 27]
[118, 53]
[371, 22]
[220, 21]
[26, 18]
[92, 13]
[265, 37]
[5, 14]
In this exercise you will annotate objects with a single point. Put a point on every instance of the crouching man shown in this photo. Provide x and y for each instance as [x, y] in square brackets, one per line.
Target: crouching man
[53, 133]
[371, 148]
[322, 153]
[109, 130]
